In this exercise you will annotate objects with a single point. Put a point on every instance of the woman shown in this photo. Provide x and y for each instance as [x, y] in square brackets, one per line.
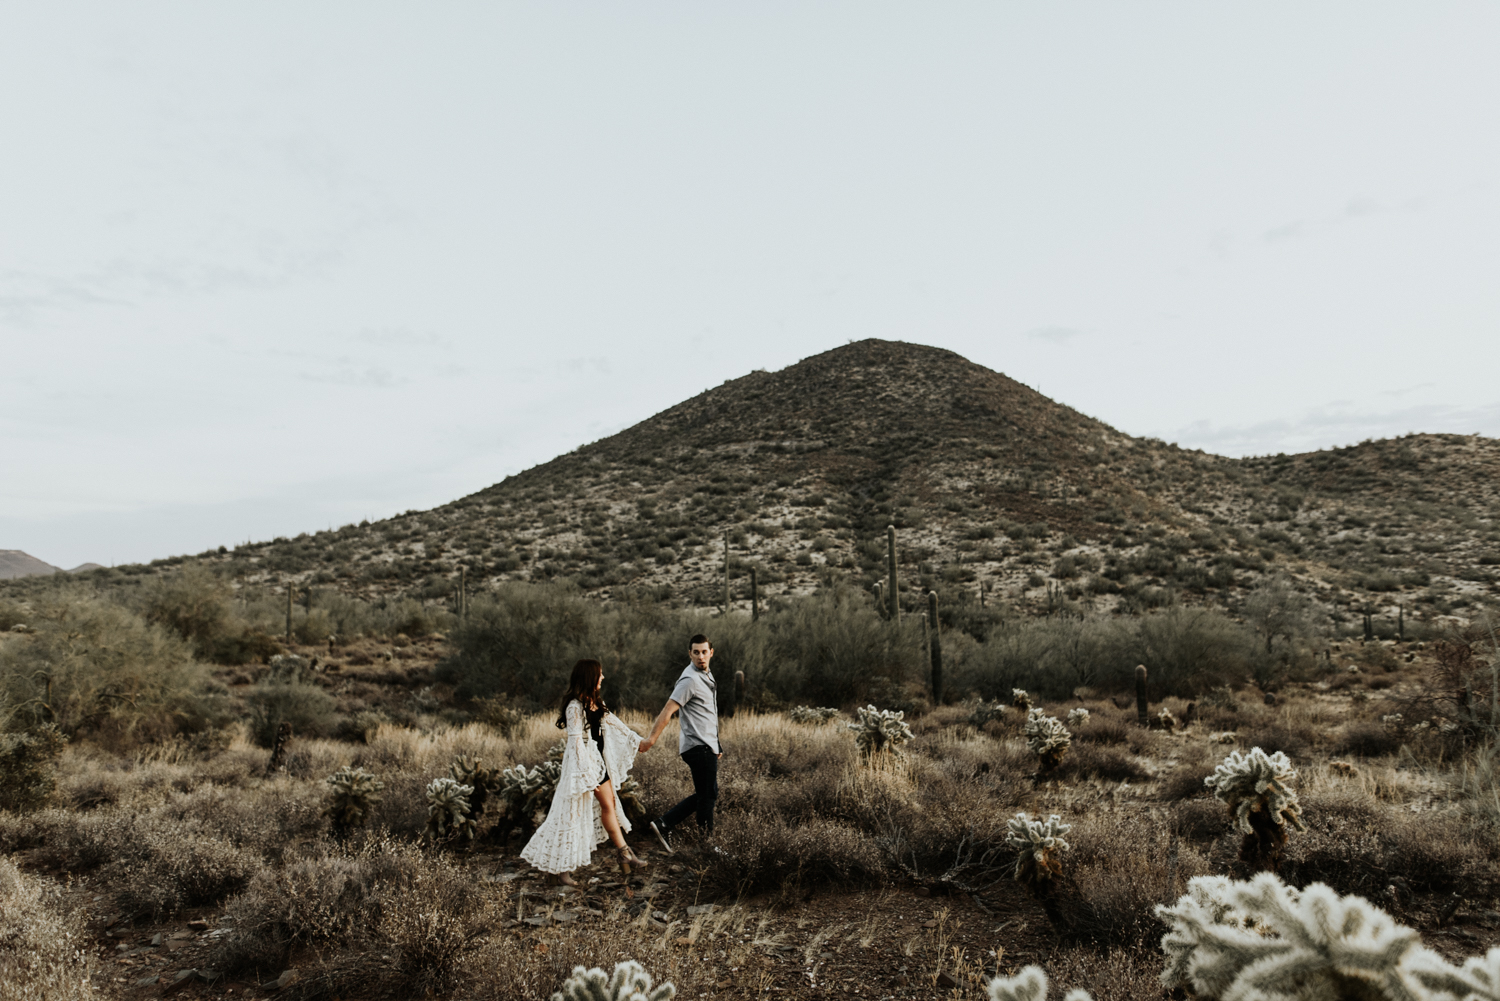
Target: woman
[585, 808]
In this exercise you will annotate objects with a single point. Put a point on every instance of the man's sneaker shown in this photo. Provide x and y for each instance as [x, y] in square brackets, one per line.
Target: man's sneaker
[663, 835]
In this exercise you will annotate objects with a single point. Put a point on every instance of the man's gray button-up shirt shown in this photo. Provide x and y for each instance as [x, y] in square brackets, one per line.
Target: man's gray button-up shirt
[698, 695]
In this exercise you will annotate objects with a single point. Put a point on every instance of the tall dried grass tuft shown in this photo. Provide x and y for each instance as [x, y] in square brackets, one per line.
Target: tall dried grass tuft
[45, 952]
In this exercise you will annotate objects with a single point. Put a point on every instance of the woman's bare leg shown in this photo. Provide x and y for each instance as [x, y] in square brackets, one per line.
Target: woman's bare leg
[605, 792]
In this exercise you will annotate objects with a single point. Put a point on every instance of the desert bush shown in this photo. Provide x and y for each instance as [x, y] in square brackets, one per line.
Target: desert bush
[808, 714]
[1361, 850]
[1105, 730]
[766, 854]
[197, 604]
[1368, 739]
[286, 698]
[1094, 761]
[28, 763]
[1188, 651]
[1120, 868]
[1277, 737]
[98, 668]
[45, 950]
[383, 898]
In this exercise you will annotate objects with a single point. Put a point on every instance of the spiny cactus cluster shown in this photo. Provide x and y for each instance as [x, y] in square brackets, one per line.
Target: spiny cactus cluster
[1078, 717]
[1038, 842]
[878, 730]
[1224, 737]
[355, 793]
[1019, 699]
[1030, 985]
[1048, 739]
[484, 781]
[807, 714]
[1255, 788]
[1257, 783]
[1166, 721]
[987, 712]
[1264, 939]
[448, 811]
[628, 982]
[527, 793]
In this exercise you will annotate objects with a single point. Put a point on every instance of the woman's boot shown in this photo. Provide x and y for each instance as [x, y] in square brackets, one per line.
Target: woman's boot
[629, 858]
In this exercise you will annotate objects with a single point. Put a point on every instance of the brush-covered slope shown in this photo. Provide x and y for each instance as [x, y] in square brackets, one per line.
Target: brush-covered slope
[989, 483]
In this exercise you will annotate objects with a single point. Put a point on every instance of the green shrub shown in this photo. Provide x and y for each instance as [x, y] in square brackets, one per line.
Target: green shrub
[45, 949]
[99, 668]
[286, 698]
[27, 761]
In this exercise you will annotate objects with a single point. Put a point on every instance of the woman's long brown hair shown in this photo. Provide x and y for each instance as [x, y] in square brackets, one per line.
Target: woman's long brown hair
[583, 686]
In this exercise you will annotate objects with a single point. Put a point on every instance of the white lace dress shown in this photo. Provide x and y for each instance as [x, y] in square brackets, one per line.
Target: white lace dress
[574, 827]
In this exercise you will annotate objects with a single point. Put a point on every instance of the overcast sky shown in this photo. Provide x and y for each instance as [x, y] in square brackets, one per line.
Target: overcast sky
[275, 267]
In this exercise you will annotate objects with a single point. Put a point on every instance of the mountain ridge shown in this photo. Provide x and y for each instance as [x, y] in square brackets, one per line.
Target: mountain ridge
[991, 485]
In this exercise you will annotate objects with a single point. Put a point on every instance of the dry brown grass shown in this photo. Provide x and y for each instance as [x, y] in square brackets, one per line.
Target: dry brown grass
[45, 954]
[179, 826]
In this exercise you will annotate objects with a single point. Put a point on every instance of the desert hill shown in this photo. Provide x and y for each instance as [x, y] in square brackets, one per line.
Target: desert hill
[14, 563]
[990, 485]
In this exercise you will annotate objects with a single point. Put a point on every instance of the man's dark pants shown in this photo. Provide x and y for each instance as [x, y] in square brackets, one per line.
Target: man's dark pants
[704, 764]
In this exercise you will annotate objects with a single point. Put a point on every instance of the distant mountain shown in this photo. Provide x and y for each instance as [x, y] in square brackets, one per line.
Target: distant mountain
[14, 563]
[988, 483]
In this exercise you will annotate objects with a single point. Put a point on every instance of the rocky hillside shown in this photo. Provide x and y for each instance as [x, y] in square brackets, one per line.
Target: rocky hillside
[14, 563]
[991, 486]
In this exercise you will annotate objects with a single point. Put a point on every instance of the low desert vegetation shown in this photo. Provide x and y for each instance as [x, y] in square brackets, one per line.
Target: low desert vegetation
[376, 847]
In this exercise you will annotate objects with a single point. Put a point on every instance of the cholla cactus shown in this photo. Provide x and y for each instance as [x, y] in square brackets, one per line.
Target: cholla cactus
[527, 793]
[1078, 717]
[807, 714]
[355, 793]
[1020, 700]
[1265, 940]
[448, 810]
[880, 730]
[1226, 737]
[1166, 721]
[629, 982]
[1038, 842]
[986, 712]
[1030, 985]
[1048, 739]
[1255, 788]
[485, 781]
[1343, 768]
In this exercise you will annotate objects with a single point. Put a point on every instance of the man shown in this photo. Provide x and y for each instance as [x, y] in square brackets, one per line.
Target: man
[696, 699]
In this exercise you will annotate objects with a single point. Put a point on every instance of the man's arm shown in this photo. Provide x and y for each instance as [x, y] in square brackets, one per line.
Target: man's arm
[662, 719]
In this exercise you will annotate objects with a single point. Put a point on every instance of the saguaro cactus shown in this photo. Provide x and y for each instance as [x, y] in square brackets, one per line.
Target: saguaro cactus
[879, 599]
[754, 598]
[726, 571]
[1140, 695]
[937, 648]
[890, 569]
[289, 587]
